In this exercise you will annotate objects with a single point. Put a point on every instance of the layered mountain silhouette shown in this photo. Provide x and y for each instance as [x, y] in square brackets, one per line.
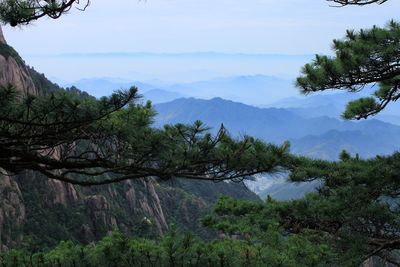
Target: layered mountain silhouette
[251, 89]
[333, 105]
[319, 137]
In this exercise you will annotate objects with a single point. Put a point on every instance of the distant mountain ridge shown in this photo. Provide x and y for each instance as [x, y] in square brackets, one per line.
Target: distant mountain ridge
[333, 105]
[314, 136]
[320, 137]
[105, 86]
[250, 89]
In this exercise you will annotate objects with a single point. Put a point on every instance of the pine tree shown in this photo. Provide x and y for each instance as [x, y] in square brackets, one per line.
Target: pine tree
[22, 12]
[85, 141]
[363, 58]
[355, 212]
[357, 2]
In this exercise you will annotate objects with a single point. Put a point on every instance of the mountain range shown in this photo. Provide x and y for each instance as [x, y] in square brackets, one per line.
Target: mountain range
[332, 105]
[316, 135]
[311, 123]
[250, 89]
[319, 137]
[257, 90]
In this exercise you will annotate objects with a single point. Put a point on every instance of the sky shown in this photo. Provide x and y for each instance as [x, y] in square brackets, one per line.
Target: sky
[246, 37]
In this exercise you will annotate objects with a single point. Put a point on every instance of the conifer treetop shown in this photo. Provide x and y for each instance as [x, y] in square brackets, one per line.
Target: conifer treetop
[22, 12]
[357, 2]
[363, 59]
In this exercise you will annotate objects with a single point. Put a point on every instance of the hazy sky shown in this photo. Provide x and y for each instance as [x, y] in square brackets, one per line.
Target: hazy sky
[299, 27]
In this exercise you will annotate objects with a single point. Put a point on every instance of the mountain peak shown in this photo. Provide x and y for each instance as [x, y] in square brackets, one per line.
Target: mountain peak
[13, 70]
[2, 39]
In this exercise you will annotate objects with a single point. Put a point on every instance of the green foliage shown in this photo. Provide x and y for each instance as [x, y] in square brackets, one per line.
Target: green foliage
[111, 139]
[41, 83]
[355, 212]
[365, 105]
[357, 2]
[13, 11]
[362, 58]
[175, 250]
[21, 12]
[7, 51]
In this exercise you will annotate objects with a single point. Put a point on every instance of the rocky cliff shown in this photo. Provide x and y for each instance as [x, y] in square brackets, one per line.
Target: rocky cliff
[12, 212]
[13, 70]
[40, 212]
[2, 39]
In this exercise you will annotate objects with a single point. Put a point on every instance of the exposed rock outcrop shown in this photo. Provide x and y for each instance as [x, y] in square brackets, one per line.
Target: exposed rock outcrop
[100, 212]
[375, 262]
[149, 202]
[12, 212]
[13, 70]
[2, 39]
[64, 194]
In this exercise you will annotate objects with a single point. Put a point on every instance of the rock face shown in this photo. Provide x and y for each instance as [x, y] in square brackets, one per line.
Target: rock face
[12, 208]
[2, 39]
[64, 194]
[100, 213]
[153, 207]
[12, 211]
[13, 70]
[375, 262]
